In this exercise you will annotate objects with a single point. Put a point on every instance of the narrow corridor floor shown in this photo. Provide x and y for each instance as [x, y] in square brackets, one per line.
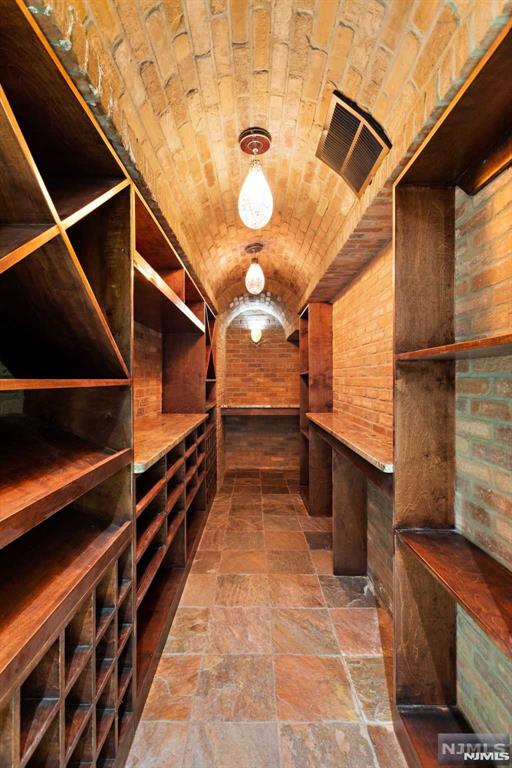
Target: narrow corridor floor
[270, 661]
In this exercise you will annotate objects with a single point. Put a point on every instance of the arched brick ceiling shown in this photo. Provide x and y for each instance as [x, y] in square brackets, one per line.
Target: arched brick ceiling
[179, 79]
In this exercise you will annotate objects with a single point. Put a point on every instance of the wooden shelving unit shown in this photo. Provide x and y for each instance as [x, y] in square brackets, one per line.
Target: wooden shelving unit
[170, 508]
[89, 575]
[210, 439]
[315, 364]
[436, 568]
[175, 450]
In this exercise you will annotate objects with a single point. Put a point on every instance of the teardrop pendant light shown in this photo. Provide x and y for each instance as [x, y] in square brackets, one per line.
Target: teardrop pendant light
[254, 278]
[255, 201]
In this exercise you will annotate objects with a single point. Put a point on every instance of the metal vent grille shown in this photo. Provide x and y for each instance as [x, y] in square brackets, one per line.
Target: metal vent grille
[352, 143]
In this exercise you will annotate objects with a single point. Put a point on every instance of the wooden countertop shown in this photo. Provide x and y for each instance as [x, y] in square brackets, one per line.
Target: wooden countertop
[371, 447]
[260, 410]
[158, 434]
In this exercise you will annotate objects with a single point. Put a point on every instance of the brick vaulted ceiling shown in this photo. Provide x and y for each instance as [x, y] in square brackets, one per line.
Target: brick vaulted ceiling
[179, 79]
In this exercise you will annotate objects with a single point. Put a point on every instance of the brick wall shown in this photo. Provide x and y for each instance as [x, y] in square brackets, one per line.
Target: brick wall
[261, 442]
[147, 372]
[483, 306]
[363, 390]
[260, 374]
[363, 347]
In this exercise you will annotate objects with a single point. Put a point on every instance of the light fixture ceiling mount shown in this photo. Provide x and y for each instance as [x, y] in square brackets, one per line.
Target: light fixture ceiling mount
[255, 141]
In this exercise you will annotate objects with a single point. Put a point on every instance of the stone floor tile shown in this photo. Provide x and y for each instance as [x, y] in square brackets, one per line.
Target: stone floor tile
[245, 524]
[371, 678]
[322, 561]
[357, 631]
[302, 630]
[285, 540]
[243, 540]
[319, 539]
[206, 561]
[170, 696]
[232, 745]
[189, 631]
[295, 591]
[308, 523]
[212, 539]
[246, 511]
[243, 561]
[312, 688]
[280, 523]
[235, 589]
[234, 630]
[387, 748]
[200, 590]
[157, 744]
[235, 688]
[325, 745]
[289, 562]
[347, 591]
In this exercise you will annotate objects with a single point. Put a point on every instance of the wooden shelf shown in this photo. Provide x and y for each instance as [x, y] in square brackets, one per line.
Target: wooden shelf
[173, 497]
[173, 527]
[475, 580]
[492, 346]
[13, 385]
[154, 617]
[20, 240]
[150, 573]
[305, 433]
[419, 726]
[370, 446]
[149, 496]
[62, 333]
[157, 305]
[42, 470]
[156, 436]
[259, 410]
[210, 404]
[66, 554]
[75, 199]
[149, 534]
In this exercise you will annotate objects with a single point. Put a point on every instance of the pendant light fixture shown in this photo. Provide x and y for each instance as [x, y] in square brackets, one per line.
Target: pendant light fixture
[254, 278]
[255, 201]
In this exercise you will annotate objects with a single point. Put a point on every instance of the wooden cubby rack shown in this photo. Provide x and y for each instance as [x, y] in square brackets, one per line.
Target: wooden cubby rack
[436, 568]
[315, 364]
[89, 573]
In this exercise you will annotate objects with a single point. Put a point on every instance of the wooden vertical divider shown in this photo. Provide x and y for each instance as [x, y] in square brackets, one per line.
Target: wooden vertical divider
[315, 362]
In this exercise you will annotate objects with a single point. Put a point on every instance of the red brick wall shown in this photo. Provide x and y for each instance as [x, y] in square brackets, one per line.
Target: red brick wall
[363, 390]
[261, 442]
[483, 306]
[147, 372]
[363, 347]
[263, 374]
[260, 374]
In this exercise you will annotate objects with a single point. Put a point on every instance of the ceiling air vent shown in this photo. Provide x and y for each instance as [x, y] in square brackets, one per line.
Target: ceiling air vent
[352, 143]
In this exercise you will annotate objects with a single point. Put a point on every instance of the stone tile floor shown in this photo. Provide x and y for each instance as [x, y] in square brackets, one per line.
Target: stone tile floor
[271, 661]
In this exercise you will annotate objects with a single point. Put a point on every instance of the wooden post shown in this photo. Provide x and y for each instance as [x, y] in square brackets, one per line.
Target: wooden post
[320, 474]
[349, 518]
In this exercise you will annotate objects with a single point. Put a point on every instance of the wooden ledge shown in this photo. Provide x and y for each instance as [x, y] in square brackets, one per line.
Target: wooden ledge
[371, 447]
[157, 305]
[155, 436]
[259, 410]
[473, 578]
[492, 346]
